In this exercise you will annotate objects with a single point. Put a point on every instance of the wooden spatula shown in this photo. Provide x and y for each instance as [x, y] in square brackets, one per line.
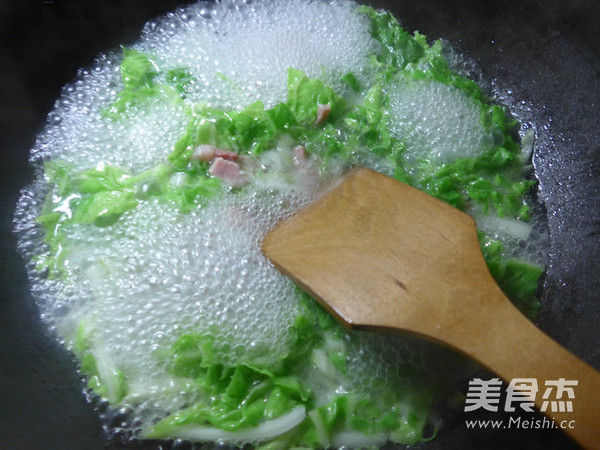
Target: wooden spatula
[380, 254]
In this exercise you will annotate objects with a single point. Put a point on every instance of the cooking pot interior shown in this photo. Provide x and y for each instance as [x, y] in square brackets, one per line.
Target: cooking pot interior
[541, 59]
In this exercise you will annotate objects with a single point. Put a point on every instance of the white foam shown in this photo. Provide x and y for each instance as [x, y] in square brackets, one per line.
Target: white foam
[79, 133]
[157, 274]
[241, 52]
[437, 122]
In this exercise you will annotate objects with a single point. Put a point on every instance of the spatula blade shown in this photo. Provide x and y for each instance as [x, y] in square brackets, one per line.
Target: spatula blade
[373, 250]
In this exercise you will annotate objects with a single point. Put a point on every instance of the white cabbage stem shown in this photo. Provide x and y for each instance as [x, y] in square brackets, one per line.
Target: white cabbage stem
[266, 430]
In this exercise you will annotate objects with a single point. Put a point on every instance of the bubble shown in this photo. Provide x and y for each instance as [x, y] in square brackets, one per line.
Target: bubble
[437, 122]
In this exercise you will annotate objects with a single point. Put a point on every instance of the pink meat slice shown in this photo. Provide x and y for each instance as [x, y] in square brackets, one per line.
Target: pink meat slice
[228, 171]
[226, 154]
[322, 113]
[207, 153]
[299, 155]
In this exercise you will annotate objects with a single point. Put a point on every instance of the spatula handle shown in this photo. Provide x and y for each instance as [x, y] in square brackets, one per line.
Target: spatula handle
[514, 348]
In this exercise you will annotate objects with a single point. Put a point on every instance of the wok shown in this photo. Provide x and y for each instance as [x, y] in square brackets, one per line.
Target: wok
[543, 59]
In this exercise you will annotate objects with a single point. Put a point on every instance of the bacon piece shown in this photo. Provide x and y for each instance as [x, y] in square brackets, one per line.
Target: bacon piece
[207, 153]
[226, 154]
[322, 113]
[204, 153]
[228, 171]
[306, 169]
[299, 155]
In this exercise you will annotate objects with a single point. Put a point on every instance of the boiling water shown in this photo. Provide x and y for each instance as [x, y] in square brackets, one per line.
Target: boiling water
[158, 273]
